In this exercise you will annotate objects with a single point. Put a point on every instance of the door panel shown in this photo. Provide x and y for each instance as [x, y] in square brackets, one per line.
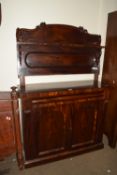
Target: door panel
[84, 123]
[46, 128]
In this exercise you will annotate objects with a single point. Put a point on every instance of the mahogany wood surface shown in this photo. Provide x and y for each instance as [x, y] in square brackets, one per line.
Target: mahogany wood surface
[57, 49]
[0, 14]
[110, 77]
[7, 141]
[58, 124]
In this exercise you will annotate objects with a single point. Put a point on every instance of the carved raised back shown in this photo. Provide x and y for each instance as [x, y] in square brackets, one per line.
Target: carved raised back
[57, 49]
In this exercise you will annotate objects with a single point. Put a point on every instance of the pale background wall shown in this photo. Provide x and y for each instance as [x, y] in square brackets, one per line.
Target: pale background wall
[91, 14]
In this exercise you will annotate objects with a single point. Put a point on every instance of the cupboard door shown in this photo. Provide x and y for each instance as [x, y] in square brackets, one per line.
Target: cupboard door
[86, 123]
[46, 128]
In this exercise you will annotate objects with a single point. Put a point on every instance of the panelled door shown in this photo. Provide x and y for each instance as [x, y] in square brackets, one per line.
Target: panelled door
[86, 122]
[46, 127]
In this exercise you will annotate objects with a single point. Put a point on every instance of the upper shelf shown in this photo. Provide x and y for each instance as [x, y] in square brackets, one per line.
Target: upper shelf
[51, 49]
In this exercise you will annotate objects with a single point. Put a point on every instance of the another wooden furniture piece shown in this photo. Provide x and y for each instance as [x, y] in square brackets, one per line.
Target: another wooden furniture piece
[110, 77]
[7, 141]
[58, 120]
[0, 14]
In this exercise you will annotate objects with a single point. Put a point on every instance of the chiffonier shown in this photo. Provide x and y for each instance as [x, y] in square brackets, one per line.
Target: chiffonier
[60, 119]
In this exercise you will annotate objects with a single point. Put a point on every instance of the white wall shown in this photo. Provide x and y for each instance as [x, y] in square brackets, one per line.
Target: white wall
[91, 14]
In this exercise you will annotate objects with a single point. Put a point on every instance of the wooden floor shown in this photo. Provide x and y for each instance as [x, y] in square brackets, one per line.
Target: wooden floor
[101, 162]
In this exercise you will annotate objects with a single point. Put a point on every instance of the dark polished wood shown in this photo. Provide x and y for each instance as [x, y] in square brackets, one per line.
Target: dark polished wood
[17, 129]
[7, 141]
[0, 14]
[61, 119]
[110, 76]
[57, 49]
[61, 123]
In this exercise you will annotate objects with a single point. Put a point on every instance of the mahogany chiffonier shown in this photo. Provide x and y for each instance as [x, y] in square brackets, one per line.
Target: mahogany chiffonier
[63, 119]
